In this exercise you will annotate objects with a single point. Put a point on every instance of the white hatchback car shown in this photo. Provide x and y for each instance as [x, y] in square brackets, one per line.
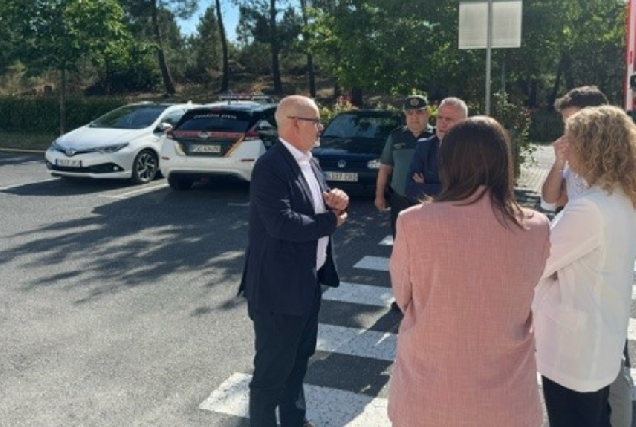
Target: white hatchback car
[123, 143]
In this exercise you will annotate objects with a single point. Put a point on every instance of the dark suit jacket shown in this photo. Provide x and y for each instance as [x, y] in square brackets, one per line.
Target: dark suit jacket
[280, 262]
[425, 161]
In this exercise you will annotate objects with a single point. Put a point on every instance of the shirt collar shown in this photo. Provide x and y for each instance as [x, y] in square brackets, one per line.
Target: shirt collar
[299, 156]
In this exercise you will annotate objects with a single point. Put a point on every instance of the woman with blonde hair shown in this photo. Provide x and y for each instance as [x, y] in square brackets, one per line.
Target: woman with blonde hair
[463, 270]
[582, 305]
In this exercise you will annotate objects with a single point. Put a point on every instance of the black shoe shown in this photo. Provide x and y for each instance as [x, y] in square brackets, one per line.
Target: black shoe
[395, 307]
[307, 424]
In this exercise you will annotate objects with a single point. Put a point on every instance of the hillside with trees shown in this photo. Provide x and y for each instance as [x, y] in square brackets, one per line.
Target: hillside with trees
[322, 48]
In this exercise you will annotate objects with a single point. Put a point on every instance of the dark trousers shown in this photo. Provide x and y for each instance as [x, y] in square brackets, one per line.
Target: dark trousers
[569, 408]
[397, 203]
[283, 344]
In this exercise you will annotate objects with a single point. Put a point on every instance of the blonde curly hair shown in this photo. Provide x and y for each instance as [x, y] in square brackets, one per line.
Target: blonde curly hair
[603, 140]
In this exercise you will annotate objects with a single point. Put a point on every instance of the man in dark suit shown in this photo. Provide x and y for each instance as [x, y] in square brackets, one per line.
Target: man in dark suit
[289, 255]
[422, 179]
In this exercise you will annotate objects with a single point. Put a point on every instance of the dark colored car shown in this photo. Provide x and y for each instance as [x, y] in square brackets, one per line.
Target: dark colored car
[351, 145]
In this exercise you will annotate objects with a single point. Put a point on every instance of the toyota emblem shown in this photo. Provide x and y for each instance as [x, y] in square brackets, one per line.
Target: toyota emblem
[342, 163]
[70, 152]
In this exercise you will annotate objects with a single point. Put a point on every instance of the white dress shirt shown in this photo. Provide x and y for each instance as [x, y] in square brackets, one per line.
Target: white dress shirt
[304, 161]
[582, 304]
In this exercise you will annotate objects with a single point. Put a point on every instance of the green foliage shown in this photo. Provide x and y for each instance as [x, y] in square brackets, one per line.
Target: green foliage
[328, 112]
[516, 119]
[546, 126]
[41, 115]
[60, 33]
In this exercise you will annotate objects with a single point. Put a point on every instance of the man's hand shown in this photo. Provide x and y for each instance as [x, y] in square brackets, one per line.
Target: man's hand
[380, 202]
[560, 149]
[341, 217]
[336, 199]
[419, 178]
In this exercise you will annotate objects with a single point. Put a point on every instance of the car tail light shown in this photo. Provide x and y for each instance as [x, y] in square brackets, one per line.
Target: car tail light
[170, 134]
[251, 135]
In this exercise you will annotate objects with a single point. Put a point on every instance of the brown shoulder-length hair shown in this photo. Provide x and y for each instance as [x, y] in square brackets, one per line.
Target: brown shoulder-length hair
[476, 153]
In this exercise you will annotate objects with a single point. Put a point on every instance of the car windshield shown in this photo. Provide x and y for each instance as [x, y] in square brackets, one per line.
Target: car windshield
[217, 121]
[361, 126]
[130, 117]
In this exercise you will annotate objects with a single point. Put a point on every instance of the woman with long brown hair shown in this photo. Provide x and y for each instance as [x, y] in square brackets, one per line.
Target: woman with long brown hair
[463, 271]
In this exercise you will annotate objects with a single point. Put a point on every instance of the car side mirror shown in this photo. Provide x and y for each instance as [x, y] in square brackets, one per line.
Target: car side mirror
[163, 127]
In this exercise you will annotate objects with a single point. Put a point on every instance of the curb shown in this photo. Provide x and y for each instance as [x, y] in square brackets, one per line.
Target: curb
[21, 150]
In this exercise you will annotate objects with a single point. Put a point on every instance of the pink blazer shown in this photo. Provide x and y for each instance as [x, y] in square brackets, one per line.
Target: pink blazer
[465, 352]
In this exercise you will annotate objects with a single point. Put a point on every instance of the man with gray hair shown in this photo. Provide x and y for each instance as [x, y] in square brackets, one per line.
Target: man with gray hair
[422, 179]
[293, 214]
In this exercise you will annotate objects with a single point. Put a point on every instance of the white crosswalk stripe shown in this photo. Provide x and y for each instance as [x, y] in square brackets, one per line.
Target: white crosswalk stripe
[360, 294]
[340, 407]
[376, 263]
[357, 342]
[337, 407]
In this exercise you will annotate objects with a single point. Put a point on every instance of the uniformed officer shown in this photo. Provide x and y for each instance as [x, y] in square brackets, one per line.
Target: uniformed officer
[397, 154]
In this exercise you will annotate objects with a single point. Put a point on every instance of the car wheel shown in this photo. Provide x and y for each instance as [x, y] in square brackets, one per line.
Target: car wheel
[145, 167]
[180, 183]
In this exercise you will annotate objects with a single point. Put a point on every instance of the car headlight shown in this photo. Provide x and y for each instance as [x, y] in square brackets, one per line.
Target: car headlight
[55, 146]
[111, 148]
[373, 164]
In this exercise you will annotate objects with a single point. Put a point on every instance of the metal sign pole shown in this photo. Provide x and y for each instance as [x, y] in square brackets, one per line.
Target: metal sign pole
[488, 56]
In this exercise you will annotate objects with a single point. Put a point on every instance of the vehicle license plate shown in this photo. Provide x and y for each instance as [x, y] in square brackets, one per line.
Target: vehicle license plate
[69, 163]
[201, 148]
[341, 176]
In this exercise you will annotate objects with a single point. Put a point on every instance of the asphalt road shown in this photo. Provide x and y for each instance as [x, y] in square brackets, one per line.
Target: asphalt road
[118, 307]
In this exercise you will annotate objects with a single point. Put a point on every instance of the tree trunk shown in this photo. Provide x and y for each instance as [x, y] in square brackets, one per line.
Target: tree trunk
[534, 92]
[311, 75]
[278, 85]
[311, 72]
[163, 65]
[63, 100]
[567, 72]
[557, 83]
[225, 80]
[356, 97]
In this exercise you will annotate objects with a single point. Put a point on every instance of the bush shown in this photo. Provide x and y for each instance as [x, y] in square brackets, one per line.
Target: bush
[42, 114]
[546, 126]
[516, 119]
[341, 104]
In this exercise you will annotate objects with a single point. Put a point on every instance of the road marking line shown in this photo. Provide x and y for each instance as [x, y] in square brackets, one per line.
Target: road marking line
[326, 406]
[357, 342]
[360, 294]
[387, 241]
[145, 189]
[631, 329]
[373, 263]
[9, 187]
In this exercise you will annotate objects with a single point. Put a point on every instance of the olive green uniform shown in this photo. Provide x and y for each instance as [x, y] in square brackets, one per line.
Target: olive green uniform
[398, 153]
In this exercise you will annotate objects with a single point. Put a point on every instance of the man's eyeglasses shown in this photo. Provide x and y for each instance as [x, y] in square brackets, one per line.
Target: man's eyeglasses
[314, 120]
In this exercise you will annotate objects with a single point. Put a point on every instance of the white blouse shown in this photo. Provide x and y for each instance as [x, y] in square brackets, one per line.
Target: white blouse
[582, 304]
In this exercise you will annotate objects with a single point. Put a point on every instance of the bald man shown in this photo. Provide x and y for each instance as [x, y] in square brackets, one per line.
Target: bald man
[289, 255]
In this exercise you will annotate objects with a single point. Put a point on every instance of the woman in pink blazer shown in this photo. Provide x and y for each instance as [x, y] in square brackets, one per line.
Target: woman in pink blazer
[463, 271]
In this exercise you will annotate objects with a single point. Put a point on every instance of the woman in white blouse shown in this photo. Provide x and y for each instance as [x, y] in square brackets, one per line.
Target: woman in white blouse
[582, 305]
